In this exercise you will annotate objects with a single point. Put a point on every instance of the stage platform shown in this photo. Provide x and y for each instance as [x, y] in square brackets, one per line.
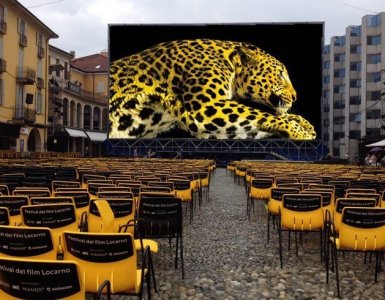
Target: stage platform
[271, 149]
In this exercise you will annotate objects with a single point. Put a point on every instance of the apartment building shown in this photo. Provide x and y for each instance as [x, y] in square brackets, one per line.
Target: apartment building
[78, 107]
[23, 79]
[353, 102]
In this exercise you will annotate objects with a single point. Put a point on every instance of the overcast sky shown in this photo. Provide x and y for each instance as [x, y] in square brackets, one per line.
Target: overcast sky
[82, 25]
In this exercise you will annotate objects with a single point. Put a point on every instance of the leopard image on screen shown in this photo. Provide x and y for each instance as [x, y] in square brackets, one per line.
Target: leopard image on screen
[206, 88]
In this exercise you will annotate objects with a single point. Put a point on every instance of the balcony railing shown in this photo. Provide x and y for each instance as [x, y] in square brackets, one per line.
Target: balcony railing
[25, 75]
[24, 116]
[22, 40]
[40, 83]
[3, 65]
[76, 88]
[3, 26]
[40, 51]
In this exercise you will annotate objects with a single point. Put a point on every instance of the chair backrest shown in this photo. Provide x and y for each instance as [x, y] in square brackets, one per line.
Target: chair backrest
[302, 212]
[161, 189]
[64, 184]
[117, 211]
[275, 201]
[40, 279]
[116, 194]
[362, 229]
[4, 216]
[58, 217]
[261, 188]
[162, 216]
[50, 200]
[20, 241]
[14, 203]
[81, 199]
[32, 192]
[364, 195]
[103, 256]
[4, 189]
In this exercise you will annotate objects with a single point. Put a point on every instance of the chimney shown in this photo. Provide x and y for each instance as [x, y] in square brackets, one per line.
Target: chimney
[72, 52]
[104, 52]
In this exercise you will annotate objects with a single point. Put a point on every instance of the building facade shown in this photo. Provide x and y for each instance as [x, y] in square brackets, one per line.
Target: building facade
[23, 79]
[353, 102]
[78, 102]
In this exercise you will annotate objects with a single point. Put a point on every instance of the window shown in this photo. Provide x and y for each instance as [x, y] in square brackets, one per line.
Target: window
[39, 39]
[355, 49]
[373, 58]
[2, 91]
[327, 64]
[373, 132]
[373, 114]
[373, 77]
[326, 94]
[100, 87]
[326, 137]
[339, 89]
[355, 66]
[326, 123]
[339, 57]
[339, 41]
[355, 118]
[373, 21]
[338, 135]
[339, 73]
[355, 134]
[355, 100]
[355, 83]
[339, 104]
[336, 151]
[339, 120]
[57, 72]
[373, 40]
[327, 49]
[374, 96]
[39, 103]
[326, 108]
[355, 31]
[22, 26]
[326, 79]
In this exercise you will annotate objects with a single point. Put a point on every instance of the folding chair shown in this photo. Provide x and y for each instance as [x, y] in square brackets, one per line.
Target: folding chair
[27, 242]
[108, 260]
[260, 189]
[13, 204]
[362, 229]
[64, 184]
[81, 199]
[301, 213]
[50, 200]
[32, 192]
[40, 279]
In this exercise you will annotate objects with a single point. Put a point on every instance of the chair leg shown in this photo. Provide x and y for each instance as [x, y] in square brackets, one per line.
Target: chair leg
[321, 245]
[268, 227]
[336, 266]
[181, 255]
[327, 261]
[296, 243]
[377, 266]
[280, 245]
[176, 252]
[153, 273]
[148, 282]
[288, 247]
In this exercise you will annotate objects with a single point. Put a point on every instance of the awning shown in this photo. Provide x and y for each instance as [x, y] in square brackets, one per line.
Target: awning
[97, 136]
[9, 130]
[377, 144]
[76, 133]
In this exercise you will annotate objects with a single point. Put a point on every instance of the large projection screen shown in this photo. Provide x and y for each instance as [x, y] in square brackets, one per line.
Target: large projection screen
[215, 81]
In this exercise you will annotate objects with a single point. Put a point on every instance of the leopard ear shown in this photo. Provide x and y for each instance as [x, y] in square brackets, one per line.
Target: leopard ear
[248, 53]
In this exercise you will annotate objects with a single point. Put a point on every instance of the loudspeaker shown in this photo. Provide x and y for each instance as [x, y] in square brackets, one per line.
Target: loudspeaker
[29, 98]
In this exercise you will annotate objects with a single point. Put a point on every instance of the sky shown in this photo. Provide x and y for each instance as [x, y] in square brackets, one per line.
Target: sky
[82, 25]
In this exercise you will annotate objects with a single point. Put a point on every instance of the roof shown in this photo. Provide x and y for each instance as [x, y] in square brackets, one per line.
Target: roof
[95, 63]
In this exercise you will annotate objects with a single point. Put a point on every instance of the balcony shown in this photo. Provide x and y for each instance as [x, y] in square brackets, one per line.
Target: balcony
[3, 27]
[24, 116]
[40, 52]
[40, 83]
[3, 65]
[22, 40]
[25, 76]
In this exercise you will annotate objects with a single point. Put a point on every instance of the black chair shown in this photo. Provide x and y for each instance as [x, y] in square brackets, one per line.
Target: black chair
[161, 217]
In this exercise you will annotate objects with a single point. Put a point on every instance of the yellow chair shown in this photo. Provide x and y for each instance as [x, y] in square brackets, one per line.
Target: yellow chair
[64, 184]
[274, 205]
[28, 242]
[260, 189]
[108, 259]
[362, 229]
[13, 204]
[57, 217]
[50, 200]
[301, 213]
[40, 279]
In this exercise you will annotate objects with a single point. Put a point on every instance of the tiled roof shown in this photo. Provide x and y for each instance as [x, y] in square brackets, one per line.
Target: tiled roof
[94, 63]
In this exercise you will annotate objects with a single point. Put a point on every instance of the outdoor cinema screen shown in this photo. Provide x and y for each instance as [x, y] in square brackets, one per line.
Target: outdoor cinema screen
[215, 81]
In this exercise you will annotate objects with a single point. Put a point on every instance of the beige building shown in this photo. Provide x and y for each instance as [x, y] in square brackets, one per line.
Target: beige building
[354, 87]
[78, 102]
[23, 79]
